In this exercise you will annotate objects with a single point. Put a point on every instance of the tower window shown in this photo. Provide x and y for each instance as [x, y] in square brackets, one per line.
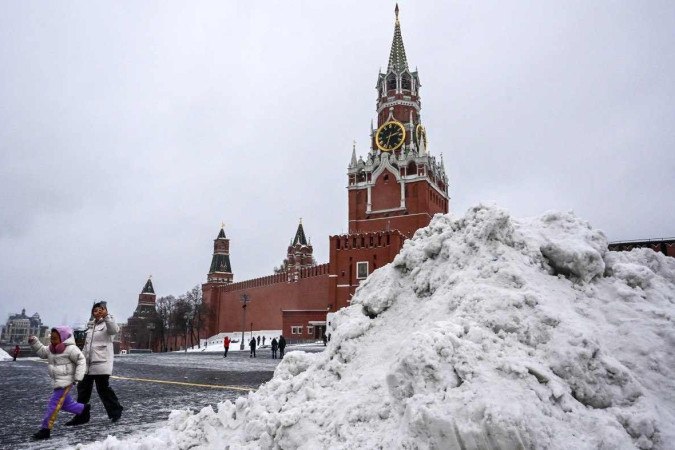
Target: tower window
[391, 82]
[405, 82]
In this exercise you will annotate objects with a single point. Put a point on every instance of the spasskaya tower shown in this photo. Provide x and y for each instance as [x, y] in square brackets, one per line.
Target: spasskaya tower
[399, 185]
[393, 190]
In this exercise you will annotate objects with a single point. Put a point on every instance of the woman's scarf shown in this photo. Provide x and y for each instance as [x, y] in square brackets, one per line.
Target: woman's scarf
[58, 348]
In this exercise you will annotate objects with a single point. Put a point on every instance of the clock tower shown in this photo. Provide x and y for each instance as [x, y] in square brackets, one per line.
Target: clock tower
[399, 185]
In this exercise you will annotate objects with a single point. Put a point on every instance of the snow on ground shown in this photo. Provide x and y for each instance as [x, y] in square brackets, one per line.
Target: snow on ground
[485, 332]
[214, 344]
[4, 356]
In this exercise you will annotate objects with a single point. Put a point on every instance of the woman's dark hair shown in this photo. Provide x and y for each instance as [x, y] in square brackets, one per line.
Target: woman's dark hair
[99, 305]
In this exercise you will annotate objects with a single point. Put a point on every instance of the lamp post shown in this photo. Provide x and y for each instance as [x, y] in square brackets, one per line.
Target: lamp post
[151, 326]
[187, 317]
[244, 299]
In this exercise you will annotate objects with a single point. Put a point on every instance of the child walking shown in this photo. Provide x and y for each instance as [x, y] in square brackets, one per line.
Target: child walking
[66, 367]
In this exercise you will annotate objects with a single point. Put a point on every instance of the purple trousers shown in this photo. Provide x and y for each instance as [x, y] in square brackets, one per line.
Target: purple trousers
[61, 399]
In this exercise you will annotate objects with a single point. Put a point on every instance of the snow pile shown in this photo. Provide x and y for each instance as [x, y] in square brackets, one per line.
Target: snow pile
[4, 356]
[485, 332]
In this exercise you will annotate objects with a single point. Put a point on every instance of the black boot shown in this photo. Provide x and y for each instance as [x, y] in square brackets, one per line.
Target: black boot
[118, 415]
[81, 418]
[42, 434]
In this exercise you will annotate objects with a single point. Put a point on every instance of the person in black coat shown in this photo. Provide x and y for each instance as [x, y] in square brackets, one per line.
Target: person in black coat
[275, 345]
[251, 343]
[282, 346]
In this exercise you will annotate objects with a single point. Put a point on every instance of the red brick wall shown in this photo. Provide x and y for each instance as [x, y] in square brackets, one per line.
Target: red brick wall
[378, 249]
[386, 194]
[268, 297]
[665, 246]
[301, 318]
[422, 202]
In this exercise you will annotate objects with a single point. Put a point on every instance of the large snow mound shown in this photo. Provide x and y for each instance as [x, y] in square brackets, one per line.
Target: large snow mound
[4, 356]
[485, 332]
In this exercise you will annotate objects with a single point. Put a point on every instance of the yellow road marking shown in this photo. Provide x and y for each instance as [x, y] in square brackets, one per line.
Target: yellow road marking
[183, 383]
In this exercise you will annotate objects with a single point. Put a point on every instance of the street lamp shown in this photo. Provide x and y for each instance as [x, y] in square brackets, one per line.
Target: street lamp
[187, 316]
[244, 299]
[151, 326]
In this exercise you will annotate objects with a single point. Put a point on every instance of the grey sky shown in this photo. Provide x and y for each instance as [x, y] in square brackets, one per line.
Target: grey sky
[130, 130]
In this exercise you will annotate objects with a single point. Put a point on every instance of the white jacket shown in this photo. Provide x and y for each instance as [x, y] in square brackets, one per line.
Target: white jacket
[64, 368]
[98, 346]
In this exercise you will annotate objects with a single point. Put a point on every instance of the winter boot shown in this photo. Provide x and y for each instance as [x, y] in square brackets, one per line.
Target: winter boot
[117, 416]
[42, 434]
[81, 418]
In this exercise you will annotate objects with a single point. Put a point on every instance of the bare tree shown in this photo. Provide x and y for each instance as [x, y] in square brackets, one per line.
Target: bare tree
[165, 307]
[199, 311]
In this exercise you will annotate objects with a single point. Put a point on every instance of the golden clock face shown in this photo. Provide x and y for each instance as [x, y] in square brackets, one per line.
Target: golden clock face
[421, 135]
[390, 136]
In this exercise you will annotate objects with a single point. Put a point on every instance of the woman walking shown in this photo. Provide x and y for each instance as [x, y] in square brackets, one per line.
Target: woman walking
[98, 350]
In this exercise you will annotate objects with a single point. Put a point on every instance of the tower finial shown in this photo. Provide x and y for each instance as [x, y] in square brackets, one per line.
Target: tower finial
[396, 11]
[353, 161]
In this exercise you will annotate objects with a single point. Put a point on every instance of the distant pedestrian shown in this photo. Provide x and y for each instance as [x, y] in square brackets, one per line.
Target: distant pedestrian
[16, 352]
[258, 341]
[226, 345]
[67, 365]
[98, 349]
[325, 339]
[274, 348]
[263, 340]
[282, 346]
[252, 345]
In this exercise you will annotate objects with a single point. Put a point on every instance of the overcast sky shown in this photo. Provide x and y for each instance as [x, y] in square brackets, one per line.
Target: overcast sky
[130, 130]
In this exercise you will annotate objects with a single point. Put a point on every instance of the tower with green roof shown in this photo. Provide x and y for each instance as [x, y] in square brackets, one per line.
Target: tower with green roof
[220, 271]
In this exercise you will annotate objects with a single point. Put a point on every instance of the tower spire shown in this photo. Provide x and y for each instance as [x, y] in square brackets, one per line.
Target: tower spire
[148, 288]
[397, 59]
[300, 235]
[353, 163]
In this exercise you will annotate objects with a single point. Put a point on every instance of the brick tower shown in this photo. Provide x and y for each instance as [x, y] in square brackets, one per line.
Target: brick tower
[220, 271]
[392, 191]
[300, 254]
[138, 332]
[399, 185]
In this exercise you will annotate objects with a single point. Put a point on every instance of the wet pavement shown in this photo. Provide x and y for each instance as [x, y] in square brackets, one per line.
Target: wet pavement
[149, 387]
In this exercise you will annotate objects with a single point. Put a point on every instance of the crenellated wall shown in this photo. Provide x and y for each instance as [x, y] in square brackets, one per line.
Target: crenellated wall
[347, 250]
[268, 297]
[665, 246]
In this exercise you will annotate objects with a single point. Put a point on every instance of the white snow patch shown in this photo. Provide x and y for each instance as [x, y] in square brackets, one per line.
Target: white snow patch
[4, 356]
[485, 332]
